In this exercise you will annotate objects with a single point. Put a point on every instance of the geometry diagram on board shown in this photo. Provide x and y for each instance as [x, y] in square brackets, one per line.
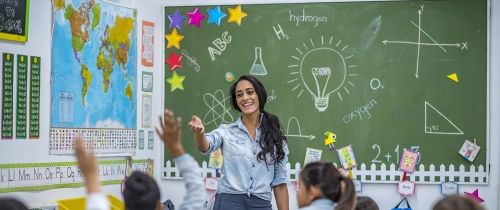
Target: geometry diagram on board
[419, 43]
[437, 123]
[218, 105]
[321, 68]
[298, 133]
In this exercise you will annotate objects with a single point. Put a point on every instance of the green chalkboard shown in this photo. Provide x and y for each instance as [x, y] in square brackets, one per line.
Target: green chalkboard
[14, 16]
[377, 74]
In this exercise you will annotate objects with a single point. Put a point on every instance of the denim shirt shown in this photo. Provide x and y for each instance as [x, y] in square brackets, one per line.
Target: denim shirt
[320, 204]
[242, 172]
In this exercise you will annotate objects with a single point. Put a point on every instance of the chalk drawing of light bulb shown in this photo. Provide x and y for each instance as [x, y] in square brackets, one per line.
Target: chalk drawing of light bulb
[322, 69]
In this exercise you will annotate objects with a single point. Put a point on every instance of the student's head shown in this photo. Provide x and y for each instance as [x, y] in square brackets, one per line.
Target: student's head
[141, 192]
[322, 180]
[456, 202]
[248, 95]
[366, 203]
[11, 204]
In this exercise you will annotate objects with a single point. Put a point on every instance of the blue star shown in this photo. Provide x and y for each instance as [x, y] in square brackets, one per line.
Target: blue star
[176, 20]
[215, 15]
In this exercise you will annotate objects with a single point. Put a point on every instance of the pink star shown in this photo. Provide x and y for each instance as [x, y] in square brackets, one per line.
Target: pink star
[474, 195]
[195, 17]
[174, 61]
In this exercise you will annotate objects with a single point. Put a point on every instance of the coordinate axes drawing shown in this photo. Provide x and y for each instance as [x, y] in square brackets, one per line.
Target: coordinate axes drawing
[419, 43]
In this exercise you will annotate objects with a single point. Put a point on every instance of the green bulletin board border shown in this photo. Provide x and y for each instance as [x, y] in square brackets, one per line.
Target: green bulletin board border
[62, 185]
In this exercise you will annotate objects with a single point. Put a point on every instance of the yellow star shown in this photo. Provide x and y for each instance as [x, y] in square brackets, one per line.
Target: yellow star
[176, 82]
[174, 39]
[235, 15]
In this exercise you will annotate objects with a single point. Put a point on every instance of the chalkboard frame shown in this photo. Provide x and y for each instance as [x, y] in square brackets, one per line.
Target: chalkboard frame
[484, 167]
[24, 36]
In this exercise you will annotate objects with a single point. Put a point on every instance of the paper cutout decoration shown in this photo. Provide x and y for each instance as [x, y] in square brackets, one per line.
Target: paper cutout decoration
[176, 82]
[229, 77]
[312, 155]
[449, 188]
[176, 20]
[174, 61]
[215, 15]
[453, 77]
[474, 195]
[408, 161]
[330, 140]
[358, 185]
[195, 17]
[236, 14]
[346, 157]
[174, 39]
[211, 183]
[406, 188]
[469, 150]
[216, 159]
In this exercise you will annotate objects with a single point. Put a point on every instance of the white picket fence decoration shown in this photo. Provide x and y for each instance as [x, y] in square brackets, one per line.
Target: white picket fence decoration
[375, 174]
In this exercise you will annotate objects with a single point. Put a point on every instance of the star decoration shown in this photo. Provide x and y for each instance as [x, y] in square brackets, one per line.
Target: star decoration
[195, 17]
[474, 195]
[174, 39]
[174, 61]
[235, 15]
[176, 82]
[176, 20]
[215, 15]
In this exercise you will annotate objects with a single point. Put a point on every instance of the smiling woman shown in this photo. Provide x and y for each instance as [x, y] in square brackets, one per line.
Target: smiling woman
[254, 150]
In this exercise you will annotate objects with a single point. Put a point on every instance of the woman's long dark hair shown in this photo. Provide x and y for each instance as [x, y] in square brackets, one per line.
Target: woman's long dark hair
[327, 178]
[272, 138]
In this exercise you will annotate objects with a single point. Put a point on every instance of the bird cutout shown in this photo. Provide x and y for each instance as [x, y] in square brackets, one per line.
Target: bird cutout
[453, 77]
[330, 139]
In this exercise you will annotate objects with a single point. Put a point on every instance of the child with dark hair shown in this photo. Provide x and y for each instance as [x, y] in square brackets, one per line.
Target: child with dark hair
[254, 149]
[366, 203]
[141, 191]
[12, 204]
[456, 202]
[322, 187]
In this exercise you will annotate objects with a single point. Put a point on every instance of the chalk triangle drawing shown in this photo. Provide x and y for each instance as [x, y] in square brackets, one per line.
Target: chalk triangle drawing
[436, 128]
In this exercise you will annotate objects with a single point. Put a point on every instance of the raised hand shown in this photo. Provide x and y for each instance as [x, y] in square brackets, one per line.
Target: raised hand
[196, 125]
[170, 132]
[88, 165]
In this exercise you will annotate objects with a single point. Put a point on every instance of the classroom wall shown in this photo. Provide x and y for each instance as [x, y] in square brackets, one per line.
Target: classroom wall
[386, 194]
[37, 150]
[39, 44]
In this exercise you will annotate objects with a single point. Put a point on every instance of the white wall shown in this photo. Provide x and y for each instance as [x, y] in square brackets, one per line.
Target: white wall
[39, 44]
[386, 194]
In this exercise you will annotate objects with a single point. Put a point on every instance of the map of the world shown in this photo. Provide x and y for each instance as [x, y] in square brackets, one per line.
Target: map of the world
[94, 65]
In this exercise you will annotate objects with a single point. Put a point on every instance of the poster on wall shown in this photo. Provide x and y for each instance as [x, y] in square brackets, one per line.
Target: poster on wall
[7, 96]
[14, 19]
[147, 52]
[94, 64]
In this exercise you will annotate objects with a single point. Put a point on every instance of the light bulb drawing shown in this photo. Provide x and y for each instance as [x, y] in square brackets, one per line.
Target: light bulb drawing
[322, 70]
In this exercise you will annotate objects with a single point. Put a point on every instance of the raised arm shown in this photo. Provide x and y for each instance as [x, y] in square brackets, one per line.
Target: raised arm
[88, 165]
[170, 133]
[199, 133]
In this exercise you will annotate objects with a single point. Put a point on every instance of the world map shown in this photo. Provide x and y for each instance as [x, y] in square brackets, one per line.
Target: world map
[94, 63]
